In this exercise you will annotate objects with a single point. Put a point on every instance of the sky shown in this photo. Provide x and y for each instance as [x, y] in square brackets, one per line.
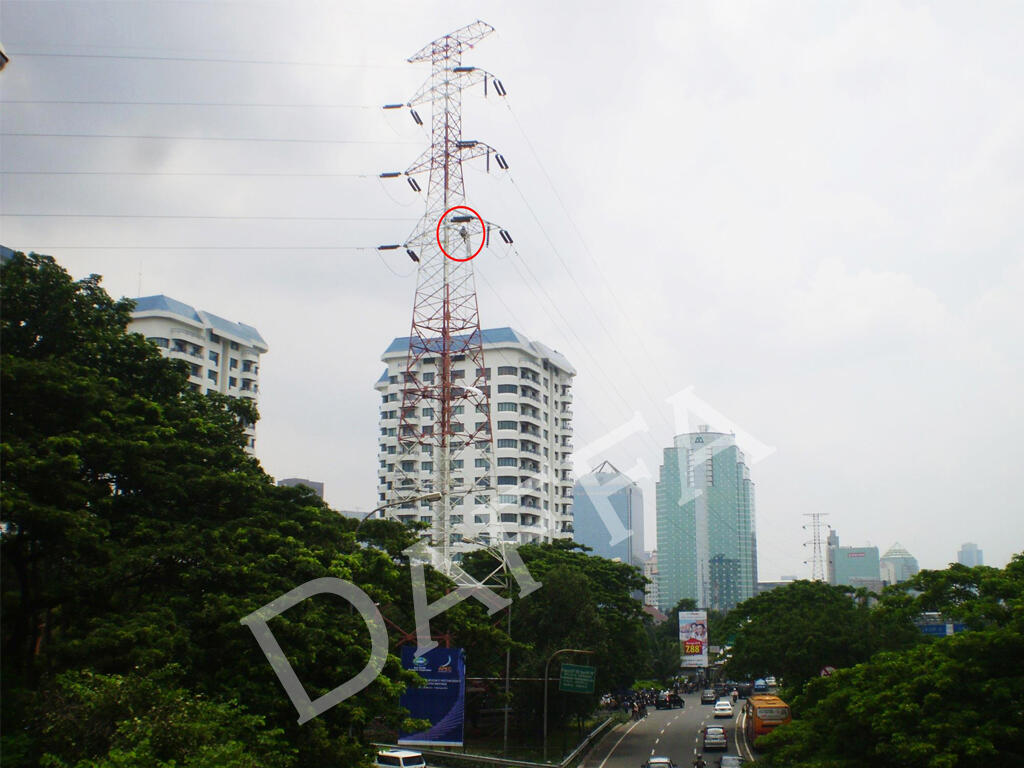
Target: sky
[806, 217]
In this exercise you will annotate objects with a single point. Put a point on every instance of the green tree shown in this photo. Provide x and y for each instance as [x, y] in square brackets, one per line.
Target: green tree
[795, 630]
[136, 533]
[955, 702]
[585, 602]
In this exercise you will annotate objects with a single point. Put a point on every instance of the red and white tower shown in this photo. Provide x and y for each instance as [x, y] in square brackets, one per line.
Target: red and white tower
[446, 318]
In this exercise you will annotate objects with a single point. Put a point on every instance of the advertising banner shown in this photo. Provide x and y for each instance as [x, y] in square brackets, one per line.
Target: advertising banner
[442, 700]
[693, 638]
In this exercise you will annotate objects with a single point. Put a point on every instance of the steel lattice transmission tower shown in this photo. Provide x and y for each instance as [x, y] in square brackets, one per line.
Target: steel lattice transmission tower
[817, 557]
[446, 318]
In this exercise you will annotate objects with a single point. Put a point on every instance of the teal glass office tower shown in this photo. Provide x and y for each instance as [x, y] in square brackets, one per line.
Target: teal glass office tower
[707, 543]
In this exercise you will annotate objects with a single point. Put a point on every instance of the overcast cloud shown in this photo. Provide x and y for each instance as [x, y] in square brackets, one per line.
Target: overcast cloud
[809, 213]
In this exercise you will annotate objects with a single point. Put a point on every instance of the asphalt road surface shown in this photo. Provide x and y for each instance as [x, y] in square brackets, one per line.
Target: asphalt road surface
[672, 733]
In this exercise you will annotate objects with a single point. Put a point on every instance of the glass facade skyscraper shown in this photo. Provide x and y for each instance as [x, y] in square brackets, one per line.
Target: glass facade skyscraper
[707, 544]
[608, 515]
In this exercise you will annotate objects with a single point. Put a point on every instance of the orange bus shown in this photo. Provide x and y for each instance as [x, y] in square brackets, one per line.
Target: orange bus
[763, 714]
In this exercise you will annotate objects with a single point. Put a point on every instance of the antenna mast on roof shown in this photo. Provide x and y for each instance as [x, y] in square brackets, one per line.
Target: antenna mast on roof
[445, 317]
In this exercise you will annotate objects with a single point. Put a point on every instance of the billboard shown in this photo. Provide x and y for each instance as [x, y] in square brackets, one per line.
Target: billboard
[693, 638]
[441, 700]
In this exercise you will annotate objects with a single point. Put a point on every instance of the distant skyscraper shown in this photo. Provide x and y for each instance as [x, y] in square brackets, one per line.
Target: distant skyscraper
[969, 555]
[608, 515]
[707, 546]
[853, 566]
[898, 565]
[221, 355]
[313, 485]
[651, 574]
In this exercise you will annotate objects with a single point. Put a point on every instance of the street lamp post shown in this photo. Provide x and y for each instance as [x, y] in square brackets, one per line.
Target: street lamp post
[548, 664]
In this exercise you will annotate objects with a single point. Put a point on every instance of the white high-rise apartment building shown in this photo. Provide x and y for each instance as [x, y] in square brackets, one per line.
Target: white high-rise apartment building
[530, 388]
[222, 356]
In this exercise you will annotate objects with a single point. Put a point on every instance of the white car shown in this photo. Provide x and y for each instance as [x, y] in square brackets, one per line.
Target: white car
[399, 758]
[723, 708]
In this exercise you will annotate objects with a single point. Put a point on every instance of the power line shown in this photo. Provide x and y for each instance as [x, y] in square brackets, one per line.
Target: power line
[198, 138]
[201, 60]
[206, 248]
[189, 104]
[269, 174]
[226, 218]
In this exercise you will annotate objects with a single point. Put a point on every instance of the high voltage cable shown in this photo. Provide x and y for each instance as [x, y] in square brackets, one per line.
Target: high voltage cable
[229, 218]
[270, 174]
[199, 138]
[202, 60]
[208, 247]
[189, 104]
[579, 235]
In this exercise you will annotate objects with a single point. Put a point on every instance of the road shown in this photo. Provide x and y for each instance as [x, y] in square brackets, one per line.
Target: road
[673, 733]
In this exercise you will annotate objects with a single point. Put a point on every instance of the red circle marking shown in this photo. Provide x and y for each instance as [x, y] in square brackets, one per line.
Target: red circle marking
[482, 226]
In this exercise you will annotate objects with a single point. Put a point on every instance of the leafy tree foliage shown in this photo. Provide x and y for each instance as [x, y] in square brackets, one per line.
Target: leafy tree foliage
[136, 533]
[585, 602]
[955, 702]
[795, 630]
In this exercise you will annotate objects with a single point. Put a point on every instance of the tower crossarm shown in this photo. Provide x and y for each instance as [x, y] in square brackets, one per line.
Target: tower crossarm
[468, 150]
[454, 43]
[461, 77]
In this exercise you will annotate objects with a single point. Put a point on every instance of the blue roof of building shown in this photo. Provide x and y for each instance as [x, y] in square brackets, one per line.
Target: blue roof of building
[503, 335]
[161, 303]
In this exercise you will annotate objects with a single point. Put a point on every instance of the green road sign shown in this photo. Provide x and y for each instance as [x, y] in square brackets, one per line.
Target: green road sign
[577, 678]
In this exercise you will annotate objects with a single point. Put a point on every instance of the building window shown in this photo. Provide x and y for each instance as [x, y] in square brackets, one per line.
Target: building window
[408, 466]
[159, 341]
[392, 449]
[508, 461]
[458, 427]
[481, 519]
[428, 377]
[507, 425]
[195, 370]
[508, 370]
[232, 381]
[425, 518]
[483, 373]
[428, 412]
[460, 374]
[214, 357]
[427, 466]
[458, 410]
[507, 389]
[508, 480]
[428, 429]
[246, 366]
[508, 498]
[392, 379]
[212, 376]
[482, 408]
[455, 519]
[427, 449]
[504, 442]
[481, 463]
[457, 463]
[508, 406]
[480, 500]
[234, 345]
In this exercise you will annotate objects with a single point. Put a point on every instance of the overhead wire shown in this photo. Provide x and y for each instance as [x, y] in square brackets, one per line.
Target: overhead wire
[202, 60]
[269, 174]
[228, 218]
[25, 134]
[579, 235]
